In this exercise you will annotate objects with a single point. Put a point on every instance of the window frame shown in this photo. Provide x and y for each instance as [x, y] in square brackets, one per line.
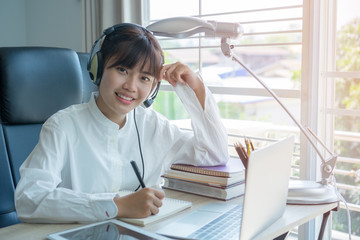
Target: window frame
[327, 75]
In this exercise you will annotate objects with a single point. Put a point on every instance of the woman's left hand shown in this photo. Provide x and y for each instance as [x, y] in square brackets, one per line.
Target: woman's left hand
[180, 73]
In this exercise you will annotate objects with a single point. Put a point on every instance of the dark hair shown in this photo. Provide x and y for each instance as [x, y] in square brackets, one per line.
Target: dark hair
[131, 44]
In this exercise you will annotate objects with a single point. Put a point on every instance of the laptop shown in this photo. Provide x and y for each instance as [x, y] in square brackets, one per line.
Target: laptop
[266, 189]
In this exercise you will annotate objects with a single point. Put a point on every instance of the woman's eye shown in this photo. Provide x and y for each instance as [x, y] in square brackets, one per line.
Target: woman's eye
[146, 79]
[121, 69]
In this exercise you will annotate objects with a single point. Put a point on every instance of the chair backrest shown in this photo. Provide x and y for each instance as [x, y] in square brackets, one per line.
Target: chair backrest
[8, 214]
[35, 82]
[88, 85]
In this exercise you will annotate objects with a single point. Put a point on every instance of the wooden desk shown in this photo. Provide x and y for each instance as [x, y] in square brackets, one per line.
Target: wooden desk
[294, 215]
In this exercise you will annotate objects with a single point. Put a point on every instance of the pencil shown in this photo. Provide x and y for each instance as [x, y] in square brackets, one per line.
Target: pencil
[244, 151]
[241, 154]
[252, 146]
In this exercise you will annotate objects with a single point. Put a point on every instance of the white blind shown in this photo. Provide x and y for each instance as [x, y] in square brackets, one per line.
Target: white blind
[271, 46]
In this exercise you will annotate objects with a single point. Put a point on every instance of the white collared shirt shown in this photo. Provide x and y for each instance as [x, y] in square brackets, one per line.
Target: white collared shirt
[83, 159]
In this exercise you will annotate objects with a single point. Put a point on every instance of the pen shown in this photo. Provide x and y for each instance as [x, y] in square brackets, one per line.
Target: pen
[247, 146]
[137, 173]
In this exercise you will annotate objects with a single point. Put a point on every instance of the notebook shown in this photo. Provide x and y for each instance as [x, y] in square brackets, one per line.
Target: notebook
[208, 190]
[233, 168]
[188, 176]
[170, 206]
[266, 189]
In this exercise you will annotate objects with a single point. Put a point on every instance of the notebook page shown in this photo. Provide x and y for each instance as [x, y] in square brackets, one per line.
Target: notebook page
[170, 206]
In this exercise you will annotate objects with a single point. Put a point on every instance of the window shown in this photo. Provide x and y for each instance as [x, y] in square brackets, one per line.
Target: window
[339, 102]
[280, 45]
[271, 46]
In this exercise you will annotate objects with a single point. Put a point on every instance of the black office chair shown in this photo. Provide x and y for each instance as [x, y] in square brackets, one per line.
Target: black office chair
[88, 86]
[35, 82]
[8, 214]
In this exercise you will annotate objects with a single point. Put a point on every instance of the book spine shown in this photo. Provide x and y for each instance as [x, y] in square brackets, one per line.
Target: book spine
[211, 194]
[200, 171]
[197, 193]
[187, 178]
[205, 190]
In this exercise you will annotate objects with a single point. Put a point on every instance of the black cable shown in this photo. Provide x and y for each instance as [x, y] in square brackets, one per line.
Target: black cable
[141, 155]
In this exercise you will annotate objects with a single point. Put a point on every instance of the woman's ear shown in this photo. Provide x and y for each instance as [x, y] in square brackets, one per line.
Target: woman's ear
[161, 74]
[156, 81]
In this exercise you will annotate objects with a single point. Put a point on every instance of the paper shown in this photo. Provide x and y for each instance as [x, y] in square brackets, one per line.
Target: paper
[170, 206]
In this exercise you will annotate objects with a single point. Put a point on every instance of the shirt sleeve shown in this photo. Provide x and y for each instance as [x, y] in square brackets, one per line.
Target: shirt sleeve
[39, 196]
[210, 136]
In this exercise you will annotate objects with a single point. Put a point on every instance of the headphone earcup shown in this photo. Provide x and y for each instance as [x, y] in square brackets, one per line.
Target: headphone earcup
[148, 102]
[95, 70]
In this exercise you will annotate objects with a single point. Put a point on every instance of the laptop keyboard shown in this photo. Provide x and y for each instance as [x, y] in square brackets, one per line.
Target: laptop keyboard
[227, 226]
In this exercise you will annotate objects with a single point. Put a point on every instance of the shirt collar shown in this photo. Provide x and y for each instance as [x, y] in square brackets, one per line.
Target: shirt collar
[99, 116]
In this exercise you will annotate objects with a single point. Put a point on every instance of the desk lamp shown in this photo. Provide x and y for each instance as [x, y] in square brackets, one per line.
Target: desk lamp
[300, 191]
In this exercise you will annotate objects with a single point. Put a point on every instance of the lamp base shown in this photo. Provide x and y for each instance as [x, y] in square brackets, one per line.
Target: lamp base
[310, 192]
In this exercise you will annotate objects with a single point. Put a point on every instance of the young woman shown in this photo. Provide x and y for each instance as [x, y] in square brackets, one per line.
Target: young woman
[83, 155]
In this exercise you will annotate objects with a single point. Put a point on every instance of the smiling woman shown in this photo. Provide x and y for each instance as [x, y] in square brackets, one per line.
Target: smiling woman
[102, 137]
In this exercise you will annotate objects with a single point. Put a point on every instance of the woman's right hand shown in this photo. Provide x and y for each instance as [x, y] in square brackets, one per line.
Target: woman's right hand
[140, 204]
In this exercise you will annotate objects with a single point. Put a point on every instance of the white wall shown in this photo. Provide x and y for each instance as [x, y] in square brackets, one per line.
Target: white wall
[12, 23]
[54, 23]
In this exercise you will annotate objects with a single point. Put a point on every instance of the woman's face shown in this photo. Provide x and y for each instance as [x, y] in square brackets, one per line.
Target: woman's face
[122, 89]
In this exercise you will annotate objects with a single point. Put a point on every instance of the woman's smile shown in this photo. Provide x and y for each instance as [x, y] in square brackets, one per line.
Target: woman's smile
[124, 99]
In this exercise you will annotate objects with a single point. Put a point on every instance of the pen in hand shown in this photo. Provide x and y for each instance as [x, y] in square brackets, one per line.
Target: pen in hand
[137, 173]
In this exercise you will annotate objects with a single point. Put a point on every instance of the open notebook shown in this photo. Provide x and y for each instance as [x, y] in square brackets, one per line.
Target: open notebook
[170, 206]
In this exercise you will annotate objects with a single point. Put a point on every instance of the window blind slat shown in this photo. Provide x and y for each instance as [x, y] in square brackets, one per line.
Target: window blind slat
[272, 20]
[341, 75]
[272, 32]
[343, 112]
[284, 93]
[242, 45]
[241, 12]
[250, 11]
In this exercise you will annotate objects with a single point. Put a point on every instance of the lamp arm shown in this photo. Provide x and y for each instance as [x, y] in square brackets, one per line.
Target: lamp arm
[327, 165]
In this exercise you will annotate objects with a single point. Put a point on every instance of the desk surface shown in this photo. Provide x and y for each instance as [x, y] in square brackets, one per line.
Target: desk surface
[294, 215]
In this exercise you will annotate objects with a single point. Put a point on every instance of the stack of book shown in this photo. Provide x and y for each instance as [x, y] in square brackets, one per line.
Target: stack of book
[221, 182]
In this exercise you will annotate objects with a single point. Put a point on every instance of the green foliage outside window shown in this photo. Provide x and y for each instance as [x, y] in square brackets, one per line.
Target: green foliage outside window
[348, 97]
[169, 105]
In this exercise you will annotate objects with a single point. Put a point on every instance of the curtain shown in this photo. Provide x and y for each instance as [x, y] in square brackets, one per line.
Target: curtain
[101, 14]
